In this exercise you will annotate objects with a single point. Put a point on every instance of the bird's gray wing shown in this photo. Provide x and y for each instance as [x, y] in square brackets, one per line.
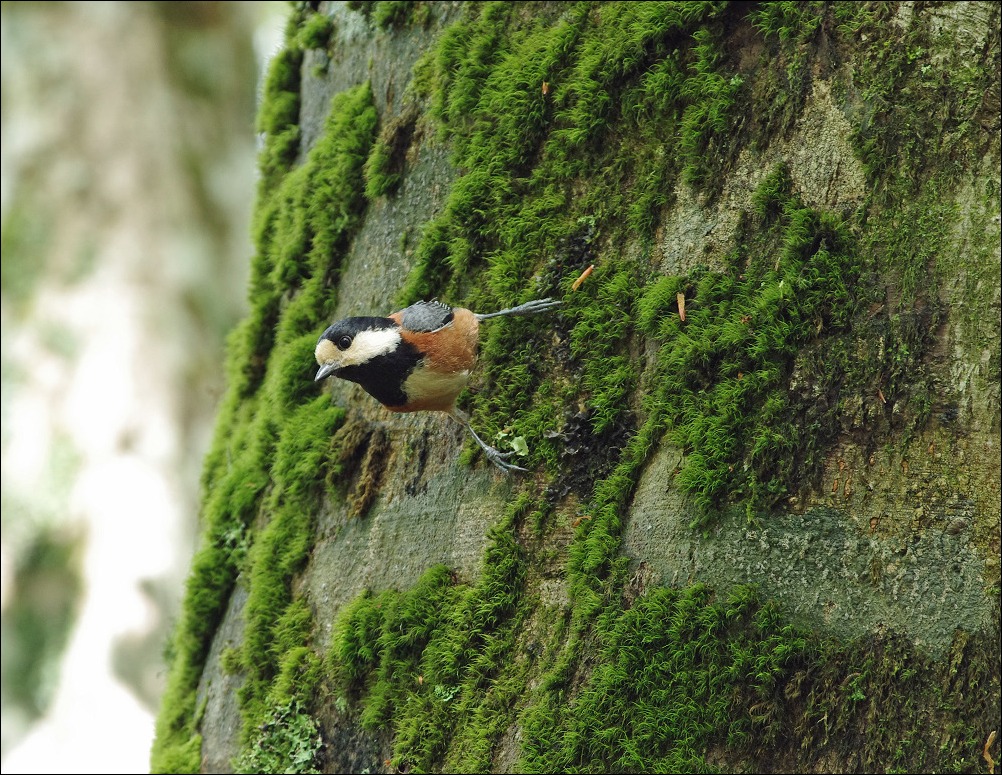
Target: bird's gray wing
[426, 316]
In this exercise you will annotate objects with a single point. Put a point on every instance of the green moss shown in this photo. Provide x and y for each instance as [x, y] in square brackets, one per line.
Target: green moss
[675, 674]
[683, 673]
[387, 14]
[379, 180]
[276, 625]
[573, 125]
[724, 375]
[278, 118]
[267, 466]
[316, 32]
[392, 13]
[427, 661]
[385, 166]
[185, 756]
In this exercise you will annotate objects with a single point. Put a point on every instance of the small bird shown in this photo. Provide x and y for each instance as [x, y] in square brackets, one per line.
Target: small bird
[417, 359]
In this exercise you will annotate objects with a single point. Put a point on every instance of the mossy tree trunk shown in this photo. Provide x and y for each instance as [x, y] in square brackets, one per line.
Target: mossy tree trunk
[762, 528]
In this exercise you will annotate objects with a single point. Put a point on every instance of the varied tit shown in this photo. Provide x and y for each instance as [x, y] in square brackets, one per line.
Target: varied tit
[418, 359]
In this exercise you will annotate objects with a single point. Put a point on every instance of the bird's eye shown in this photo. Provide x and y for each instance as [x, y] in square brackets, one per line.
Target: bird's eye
[343, 343]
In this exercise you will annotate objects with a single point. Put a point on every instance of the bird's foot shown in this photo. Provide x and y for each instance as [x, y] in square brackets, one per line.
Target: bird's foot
[496, 456]
[529, 308]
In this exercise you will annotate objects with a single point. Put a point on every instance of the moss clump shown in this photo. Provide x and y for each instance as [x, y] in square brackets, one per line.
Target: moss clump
[426, 662]
[316, 32]
[724, 374]
[675, 674]
[393, 13]
[387, 14]
[278, 116]
[384, 168]
[276, 625]
[686, 681]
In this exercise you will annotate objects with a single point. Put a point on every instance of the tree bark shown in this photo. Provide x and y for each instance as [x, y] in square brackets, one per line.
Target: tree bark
[762, 528]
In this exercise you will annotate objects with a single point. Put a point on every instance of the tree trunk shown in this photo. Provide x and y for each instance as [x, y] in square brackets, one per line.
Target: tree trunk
[761, 528]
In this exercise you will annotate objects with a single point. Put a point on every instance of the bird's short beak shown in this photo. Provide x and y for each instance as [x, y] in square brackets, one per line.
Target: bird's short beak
[325, 371]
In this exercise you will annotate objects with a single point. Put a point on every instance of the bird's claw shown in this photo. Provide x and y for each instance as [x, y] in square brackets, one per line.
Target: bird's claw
[496, 456]
[500, 459]
[540, 305]
[529, 308]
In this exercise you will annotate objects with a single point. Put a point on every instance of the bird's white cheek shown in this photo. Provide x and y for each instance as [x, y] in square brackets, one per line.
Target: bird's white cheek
[326, 352]
[370, 344]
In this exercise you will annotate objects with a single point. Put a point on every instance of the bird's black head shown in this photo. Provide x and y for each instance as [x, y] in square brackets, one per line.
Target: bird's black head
[370, 352]
[354, 342]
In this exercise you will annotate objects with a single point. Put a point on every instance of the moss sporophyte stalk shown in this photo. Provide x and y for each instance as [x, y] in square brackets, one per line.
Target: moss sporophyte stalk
[789, 321]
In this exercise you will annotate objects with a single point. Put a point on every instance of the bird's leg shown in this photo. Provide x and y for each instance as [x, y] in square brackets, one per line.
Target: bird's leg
[496, 456]
[529, 308]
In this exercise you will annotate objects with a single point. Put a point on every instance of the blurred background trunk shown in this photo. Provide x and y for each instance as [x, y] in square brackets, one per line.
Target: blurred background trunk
[128, 153]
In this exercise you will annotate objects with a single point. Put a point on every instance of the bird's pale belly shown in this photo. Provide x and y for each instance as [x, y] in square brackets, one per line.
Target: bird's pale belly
[429, 390]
